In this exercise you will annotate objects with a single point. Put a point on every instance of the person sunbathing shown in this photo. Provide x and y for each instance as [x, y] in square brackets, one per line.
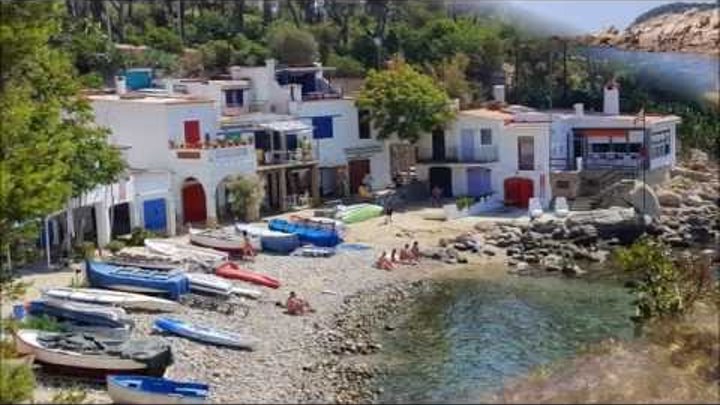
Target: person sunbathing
[415, 251]
[393, 257]
[296, 305]
[405, 256]
[383, 263]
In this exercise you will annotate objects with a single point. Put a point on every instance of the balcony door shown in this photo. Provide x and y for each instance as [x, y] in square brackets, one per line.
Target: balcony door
[467, 145]
[192, 133]
[438, 144]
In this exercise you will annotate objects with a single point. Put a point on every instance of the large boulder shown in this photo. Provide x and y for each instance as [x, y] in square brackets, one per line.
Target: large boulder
[669, 199]
[621, 223]
[644, 200]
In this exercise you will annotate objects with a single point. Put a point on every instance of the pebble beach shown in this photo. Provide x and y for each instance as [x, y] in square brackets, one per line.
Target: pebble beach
[297, 358]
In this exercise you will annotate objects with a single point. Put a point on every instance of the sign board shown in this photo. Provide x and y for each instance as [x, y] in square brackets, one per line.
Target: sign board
[363, 151]
[186, 154]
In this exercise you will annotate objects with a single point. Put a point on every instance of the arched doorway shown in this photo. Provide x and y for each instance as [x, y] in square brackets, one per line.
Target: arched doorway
[193, 200]
[518, 191]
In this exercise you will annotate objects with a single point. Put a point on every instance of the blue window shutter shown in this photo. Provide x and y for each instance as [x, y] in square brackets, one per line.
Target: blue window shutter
[322, 127]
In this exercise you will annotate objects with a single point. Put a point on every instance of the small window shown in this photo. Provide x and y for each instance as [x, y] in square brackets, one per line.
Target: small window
[485, 136]
[634, 147]
[600, 148]
[562, 185]
[619, 147]
[234, 98]
[526, 153]
[364, 124]
[322, 127]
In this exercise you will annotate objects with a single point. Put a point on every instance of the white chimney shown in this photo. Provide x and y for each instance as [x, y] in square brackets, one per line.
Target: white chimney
[120, 86]
[611, 98]
[579, 109]
[499, 93]
[270, 64]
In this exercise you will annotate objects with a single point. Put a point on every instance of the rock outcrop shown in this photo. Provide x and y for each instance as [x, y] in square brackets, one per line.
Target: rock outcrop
[688, 28]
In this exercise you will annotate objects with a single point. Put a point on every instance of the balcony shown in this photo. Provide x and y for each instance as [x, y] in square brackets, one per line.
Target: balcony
[479, 155]
[225, 154]
[285, 157]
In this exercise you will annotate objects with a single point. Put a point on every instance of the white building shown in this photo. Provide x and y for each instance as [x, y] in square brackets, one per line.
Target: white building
[512, 153]
[185, 139]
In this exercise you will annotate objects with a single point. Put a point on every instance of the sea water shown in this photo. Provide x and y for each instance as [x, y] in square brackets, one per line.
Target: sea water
[468, 337]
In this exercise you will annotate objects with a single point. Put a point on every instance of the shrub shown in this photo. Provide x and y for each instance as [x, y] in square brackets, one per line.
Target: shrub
[43, 322]
[85, 250]
[245, 195]
[293, 46]
[138, 236]
[464, 202]
[69, 396]
[346, 66]
[115, 246]
[663, 287]
[17, 384]
[163, 39]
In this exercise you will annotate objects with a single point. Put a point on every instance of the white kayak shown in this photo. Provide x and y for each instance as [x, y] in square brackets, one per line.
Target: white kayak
[213, 284]
[113, 298]
[176, 249]
[217, 239]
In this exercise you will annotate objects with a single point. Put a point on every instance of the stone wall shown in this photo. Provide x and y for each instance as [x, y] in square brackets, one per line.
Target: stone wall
[565, 184]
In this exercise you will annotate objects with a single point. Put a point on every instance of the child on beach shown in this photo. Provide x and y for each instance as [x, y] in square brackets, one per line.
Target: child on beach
[248, 252]
[383, 263]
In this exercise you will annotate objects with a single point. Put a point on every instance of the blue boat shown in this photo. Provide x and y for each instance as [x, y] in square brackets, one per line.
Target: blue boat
[136, 389]
[80, 313]
[315, 235]
[172, 283]
[205, 334]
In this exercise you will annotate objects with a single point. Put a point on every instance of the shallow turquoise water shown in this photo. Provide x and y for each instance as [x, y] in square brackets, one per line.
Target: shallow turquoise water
[468, 336]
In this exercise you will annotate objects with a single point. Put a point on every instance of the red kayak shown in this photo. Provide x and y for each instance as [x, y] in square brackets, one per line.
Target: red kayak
[233, 271]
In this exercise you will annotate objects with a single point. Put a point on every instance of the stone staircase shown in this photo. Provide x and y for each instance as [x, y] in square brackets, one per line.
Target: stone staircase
[591, 193]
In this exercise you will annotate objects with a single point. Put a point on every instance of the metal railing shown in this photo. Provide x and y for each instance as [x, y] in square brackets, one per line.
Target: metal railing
[479, 154]
[285, 157]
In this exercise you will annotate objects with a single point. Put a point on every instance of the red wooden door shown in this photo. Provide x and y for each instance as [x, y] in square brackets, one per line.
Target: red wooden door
[358, 170]
[518, 191]
[192, 133]
[193, 198]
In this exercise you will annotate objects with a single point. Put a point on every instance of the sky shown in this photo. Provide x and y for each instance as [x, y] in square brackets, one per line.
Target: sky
[586, 16]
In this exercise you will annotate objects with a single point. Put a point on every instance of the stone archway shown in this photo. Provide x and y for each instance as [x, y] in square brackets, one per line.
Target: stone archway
[193, 201]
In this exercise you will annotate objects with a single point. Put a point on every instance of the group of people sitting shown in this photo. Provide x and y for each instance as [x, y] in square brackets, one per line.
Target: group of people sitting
[408, 255]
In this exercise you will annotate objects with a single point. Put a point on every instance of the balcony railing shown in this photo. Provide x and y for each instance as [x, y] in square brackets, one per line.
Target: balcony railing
[284, 157]
[479, 154]
[226, 154]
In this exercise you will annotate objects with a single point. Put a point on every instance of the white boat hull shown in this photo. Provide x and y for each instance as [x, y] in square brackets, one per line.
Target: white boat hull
[225, 244]
[173, 249]
[113, 298]
[27, 343]
[124, 395]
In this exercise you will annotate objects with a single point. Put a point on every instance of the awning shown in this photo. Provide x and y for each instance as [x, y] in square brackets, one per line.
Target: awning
[286, 126]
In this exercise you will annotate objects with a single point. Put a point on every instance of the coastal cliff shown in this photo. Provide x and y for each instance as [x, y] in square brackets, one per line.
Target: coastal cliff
[676, 27]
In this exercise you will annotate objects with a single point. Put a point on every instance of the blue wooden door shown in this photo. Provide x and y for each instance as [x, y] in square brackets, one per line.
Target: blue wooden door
[467, 145]
[479, 183]
[155, 214]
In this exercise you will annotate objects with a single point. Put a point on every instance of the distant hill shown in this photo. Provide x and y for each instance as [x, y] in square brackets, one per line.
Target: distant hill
[672, 8]
[675, 27]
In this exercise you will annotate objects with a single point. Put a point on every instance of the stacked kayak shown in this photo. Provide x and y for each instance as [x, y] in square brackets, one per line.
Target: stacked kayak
[322, 223]
[270, 240]
[186, 252]
[173, 283]
[204, 333]
[209, 284]
[307, 233]
[233, 271]
[359, 212]
[83, 354]
[81, 313]
[111, 298]
[136, 389]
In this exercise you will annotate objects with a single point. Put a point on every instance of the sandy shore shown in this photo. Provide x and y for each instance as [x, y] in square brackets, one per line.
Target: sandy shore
[275, 371]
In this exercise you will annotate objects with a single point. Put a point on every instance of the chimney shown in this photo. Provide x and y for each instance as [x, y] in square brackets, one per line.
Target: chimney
[611, 98]
[499, 93]
[579, 109]
[120, 85]
[270, 64]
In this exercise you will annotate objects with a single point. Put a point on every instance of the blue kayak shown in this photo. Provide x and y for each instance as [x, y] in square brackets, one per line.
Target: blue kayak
[204, 334]
[172, 283]
[316, 235]
[136, 389]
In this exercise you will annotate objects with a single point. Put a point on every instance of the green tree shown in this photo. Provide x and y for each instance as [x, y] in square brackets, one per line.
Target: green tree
[246, 194]
[404, 102]
[292, 45]
[450, 74]
[49, 147]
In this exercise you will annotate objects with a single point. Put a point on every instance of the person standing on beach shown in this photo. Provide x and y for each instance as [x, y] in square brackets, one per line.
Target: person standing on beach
[436, 195]
[388, 211]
